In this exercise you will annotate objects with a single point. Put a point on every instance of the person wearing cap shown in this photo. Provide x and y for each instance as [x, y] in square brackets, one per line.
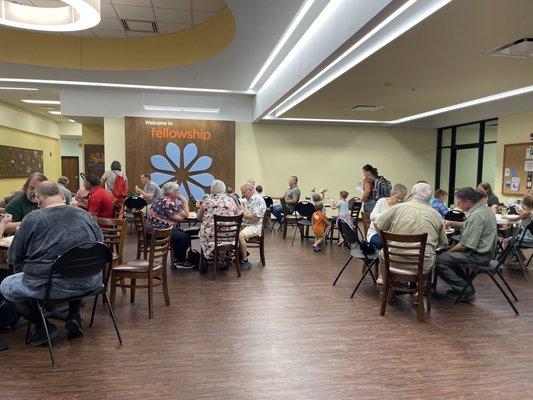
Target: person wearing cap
[63, 181]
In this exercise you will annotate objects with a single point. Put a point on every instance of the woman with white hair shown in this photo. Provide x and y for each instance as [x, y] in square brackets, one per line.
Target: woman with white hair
[218, 203]
[165, 213]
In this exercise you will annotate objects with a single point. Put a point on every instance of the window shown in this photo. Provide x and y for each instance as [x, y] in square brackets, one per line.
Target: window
[466, 155]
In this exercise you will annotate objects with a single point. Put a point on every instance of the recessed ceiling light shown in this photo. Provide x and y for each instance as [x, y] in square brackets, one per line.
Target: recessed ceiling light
[76, 15]
[55, 112]
[522, 48]
[17, 88]
[181, 109]
[30, 101]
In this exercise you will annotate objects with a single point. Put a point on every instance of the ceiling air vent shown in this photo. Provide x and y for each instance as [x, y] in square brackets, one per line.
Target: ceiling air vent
[135, 25]
[365, 108]
[522, 48]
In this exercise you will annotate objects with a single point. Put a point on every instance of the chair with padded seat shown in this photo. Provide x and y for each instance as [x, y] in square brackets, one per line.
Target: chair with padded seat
[259, 241]
[152, 269]
[404, 263]
[226, 244]
[369, 258]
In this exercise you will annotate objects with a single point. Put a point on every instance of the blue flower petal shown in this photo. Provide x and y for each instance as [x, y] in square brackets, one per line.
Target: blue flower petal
[161, 163]
[189, 153]
[196, 191]
[201, 164]
[159, 177]
[203, 179]
[183, 191]
[173, 152]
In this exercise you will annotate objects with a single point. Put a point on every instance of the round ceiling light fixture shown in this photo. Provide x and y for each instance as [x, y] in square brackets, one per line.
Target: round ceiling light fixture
[76, 15]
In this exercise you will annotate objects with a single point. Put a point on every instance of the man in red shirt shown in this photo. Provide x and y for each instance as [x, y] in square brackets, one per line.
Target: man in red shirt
[99, 202]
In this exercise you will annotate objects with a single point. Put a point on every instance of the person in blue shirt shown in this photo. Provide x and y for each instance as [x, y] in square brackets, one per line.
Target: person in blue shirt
[437, 202]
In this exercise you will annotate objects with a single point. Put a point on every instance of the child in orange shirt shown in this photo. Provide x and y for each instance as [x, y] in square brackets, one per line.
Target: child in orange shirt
[319, 222]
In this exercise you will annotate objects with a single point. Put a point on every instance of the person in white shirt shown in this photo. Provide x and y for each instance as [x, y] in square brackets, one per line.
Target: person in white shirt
[253, 211]
[398, 193]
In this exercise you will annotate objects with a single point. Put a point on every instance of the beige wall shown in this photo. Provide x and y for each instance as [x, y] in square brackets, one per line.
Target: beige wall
[331, 156]
[114, 141]
[49, 146]
[511, 129]
[21, 129]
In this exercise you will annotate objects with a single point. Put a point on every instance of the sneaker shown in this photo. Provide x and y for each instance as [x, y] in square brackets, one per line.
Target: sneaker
[74, 328]
[466, 298]
[39, 337]
[184, 265]
[245, 264]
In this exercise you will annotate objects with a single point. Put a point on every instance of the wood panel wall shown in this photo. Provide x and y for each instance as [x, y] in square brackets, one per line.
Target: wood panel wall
[146, 137]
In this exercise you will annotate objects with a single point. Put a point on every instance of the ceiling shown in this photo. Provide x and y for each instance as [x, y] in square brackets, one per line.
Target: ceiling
[438, 63]
[13, 98]
[168, 15]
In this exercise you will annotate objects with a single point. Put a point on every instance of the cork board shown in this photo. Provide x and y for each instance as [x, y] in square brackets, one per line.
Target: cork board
[517, 174]
[16, 162]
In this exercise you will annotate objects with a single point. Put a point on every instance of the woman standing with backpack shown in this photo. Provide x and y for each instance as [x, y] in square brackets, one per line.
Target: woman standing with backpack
[115, 182]
[370, 175]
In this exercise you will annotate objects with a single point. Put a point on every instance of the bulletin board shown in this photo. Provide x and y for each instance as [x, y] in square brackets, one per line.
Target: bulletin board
[517, 169]
[16, 162]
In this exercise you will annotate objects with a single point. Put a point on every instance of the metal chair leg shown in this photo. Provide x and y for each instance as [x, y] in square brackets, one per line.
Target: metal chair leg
[507, 285]
[342, 270]
[368, 268]
[293, 237]
[94, 309]
[504, 294]
[113, 318]
[47, 335]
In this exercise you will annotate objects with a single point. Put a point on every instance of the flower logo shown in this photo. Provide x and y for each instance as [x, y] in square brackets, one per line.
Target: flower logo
[181, 169]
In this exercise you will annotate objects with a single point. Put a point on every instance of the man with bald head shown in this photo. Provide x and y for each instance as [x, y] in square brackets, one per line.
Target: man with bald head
[42, 237]
[253, 212]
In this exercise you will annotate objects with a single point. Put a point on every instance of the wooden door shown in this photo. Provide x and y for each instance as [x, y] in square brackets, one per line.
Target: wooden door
[70, 168]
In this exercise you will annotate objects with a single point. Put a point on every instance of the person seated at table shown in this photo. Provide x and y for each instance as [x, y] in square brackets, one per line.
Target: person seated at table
[150, 192]
[259, 189]
[42, 237]
[166, 213]
[320, 224]
[478, 240]
[384, 204]
[492, 199]
[415, 217]
[99, 201]
[291, 196]
[437, 202]
[524, 215]
[62, 181]
[252, 220]
[24, 203]
[218, 203]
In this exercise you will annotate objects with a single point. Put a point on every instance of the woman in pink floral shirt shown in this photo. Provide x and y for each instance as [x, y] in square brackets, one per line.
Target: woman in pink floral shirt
[220, 204]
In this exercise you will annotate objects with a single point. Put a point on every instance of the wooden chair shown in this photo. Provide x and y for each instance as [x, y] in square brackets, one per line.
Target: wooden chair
[143, 243]
[118, 210]
[153, 270]
[226, 243]
[259, 242]
[404, 262]
[288, 219]
[114, 231]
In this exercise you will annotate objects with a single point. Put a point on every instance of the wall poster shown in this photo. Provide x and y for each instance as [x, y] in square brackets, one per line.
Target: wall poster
[190, 152]
[94, 159]
[16, 162]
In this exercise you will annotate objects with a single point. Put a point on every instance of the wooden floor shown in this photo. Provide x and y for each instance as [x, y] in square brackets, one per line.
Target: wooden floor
[283, 332]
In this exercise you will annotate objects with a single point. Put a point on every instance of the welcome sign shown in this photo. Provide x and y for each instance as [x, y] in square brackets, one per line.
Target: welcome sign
[190, 152]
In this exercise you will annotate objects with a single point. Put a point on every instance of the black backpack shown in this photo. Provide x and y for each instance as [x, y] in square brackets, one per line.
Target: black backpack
[382, 188]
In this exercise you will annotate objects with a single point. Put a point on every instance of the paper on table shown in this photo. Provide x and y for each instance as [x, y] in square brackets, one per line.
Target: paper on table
[528, 165]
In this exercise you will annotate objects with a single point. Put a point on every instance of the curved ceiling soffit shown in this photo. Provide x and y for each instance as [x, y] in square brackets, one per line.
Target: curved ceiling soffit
[185, 47]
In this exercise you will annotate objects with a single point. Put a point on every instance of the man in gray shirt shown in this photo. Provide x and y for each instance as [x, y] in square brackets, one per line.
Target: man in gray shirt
[62, 181]
[42, 237]
[291, 196]
[151, 191]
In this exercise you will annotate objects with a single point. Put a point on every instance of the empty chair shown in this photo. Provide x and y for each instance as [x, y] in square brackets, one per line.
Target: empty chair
[153, 270]
[304, 211]
[369, 256]
[404, 263]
